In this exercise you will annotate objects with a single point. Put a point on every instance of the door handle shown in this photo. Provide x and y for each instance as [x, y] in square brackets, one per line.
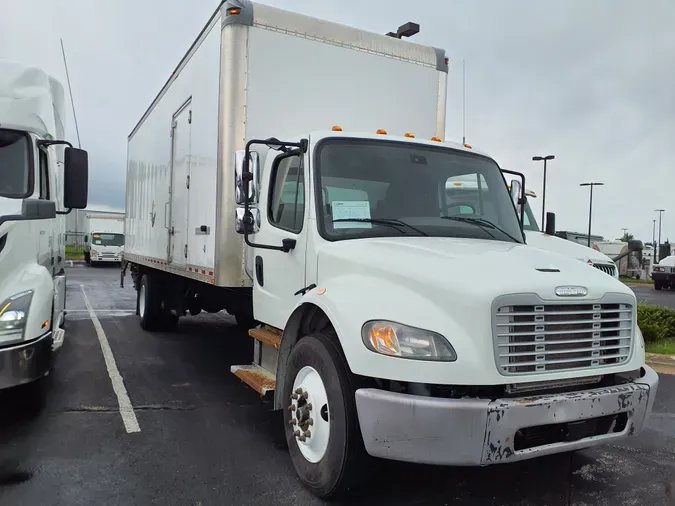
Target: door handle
[166, 214]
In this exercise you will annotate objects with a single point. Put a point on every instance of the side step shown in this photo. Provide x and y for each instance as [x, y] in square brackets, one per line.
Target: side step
[267, 335]
[256, 377]
[259, 375]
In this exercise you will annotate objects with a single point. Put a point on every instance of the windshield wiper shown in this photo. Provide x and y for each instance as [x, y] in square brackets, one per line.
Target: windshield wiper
[483, 223]
[391, 222]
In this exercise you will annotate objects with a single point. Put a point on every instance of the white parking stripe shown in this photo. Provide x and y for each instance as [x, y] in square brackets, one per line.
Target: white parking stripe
[126, 409]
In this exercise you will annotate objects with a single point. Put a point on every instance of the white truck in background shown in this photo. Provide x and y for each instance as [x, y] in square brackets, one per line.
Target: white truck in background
[383, 325]
[40, 181]
[103, 238]
[463, 199]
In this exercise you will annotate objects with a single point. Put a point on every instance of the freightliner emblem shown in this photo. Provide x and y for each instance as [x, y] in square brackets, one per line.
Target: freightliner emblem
[571, 291]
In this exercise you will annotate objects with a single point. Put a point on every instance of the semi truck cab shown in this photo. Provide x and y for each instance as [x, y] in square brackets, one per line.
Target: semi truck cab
[40, 181]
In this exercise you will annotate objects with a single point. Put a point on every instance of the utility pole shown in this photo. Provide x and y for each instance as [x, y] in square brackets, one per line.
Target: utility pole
[625, 231]
[590, 208]
[658, 253]
[543, 193]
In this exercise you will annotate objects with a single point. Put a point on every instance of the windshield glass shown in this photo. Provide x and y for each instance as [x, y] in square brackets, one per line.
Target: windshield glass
[529, 221]
[14, 164]
[364, 183]
[102, 239]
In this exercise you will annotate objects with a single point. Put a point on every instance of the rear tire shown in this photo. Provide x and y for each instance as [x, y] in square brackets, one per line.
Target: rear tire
[149, 303]
[657, 285]
[332, 460]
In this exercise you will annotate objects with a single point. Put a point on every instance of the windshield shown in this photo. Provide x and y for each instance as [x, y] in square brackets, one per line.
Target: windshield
[369, 188]
[102, 239]
[15, 164]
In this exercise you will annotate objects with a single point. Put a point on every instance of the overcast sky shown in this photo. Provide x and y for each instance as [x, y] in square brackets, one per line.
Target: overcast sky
[591, 82]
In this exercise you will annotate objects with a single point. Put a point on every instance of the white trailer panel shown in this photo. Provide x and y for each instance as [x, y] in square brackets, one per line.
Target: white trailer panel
[259, 73]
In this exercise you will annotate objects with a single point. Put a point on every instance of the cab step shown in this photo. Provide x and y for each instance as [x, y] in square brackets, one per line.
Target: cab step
[256, 377]
[267, 335]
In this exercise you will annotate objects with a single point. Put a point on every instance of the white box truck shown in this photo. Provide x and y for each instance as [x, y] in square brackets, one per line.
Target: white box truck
[292, 171]
[40, 181]
[103, 238]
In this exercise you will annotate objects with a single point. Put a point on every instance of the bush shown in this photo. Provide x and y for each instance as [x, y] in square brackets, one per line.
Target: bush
[656, 323]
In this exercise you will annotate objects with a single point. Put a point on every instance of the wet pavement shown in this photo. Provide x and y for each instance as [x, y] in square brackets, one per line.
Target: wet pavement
[647, 294]
[206, 439]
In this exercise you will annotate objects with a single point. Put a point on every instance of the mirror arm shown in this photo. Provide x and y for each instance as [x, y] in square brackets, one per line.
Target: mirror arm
[44, 143]
[521, 200]
[64, 212]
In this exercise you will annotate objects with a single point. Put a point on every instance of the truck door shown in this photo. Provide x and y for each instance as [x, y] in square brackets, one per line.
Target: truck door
[180, 173]
[278, 275]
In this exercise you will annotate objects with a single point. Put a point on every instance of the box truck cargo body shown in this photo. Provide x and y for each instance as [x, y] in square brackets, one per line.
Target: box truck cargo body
[292, 171]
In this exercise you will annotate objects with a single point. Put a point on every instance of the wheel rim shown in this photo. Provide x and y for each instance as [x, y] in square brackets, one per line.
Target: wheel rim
[141, 301]
[310, 420]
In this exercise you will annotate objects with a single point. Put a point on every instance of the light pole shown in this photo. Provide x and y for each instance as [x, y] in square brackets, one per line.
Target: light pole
[590, 208]
[543, 193]
[658, 253]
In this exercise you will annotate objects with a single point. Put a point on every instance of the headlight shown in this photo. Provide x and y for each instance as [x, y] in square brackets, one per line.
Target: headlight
[396, 340]
[13, 314]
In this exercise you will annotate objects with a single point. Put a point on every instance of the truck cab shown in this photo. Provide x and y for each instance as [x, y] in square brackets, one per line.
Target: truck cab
[40, 181]
[104, 238]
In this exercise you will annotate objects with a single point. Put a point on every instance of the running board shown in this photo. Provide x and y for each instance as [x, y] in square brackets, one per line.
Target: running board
[256, 377]
[57, 338]
[267, 335]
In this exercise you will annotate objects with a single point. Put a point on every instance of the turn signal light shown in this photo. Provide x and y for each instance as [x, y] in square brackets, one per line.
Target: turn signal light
[233, 11]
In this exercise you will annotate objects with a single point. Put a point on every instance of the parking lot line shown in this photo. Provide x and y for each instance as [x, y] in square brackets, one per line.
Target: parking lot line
[126, 409]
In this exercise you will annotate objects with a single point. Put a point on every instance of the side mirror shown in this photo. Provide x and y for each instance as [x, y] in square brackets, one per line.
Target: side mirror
[515, 193]
[34, 209]
[635, 245]
[76, 178]
[246, 190]
[247, 226]
[550, 224]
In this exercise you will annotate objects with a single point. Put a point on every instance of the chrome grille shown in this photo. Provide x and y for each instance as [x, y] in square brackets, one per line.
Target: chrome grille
[556, 337]
[606, 268]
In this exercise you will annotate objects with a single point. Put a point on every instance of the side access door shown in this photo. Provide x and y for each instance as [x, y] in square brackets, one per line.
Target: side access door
[283, 211]
[181, 129]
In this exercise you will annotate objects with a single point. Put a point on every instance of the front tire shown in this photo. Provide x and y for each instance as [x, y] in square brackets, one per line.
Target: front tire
[322, 431]
[657, 285]
[149, 304]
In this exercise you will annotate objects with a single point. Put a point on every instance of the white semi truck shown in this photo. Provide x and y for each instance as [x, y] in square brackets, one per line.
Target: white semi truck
[40, 181]
[104, 238]
[383, 325]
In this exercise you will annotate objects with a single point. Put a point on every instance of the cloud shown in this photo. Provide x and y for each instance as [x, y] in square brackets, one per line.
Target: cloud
[591, 82]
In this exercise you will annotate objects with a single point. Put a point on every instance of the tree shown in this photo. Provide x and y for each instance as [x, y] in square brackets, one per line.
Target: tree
[627, 237]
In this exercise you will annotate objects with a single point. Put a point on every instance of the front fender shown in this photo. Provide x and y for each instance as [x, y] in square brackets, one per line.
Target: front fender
[350, 301]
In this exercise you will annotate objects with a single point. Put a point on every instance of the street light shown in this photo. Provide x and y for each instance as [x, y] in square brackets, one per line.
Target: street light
[407, 30]
[543, 193]
[590, 208]
[654, 234]
[658, 253]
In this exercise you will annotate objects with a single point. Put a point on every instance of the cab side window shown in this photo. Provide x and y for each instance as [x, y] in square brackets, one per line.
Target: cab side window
[286, 206]
[44, 175]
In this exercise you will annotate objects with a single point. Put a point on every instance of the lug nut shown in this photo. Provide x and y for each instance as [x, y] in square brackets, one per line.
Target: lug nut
[291, 407]
[292, 422]
[310, 421]
[308, 433]
[302, 438]
[296, 433]
[305, 395]
[298, 390]
[309, 406]
[294, 397]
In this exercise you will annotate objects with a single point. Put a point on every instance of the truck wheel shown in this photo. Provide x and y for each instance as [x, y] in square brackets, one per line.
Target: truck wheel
[322, 431]
[87, 258]
[657, 285]
[149, 310]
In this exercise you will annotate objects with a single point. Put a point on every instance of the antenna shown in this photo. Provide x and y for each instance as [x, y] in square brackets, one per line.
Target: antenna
[463, 102]
[70, 92]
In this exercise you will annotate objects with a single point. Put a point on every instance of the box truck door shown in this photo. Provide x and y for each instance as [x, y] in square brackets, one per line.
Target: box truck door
[180, 172]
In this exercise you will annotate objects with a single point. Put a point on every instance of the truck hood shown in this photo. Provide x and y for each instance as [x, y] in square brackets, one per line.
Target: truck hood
[565, 247]
[473, 269]
[9, 206]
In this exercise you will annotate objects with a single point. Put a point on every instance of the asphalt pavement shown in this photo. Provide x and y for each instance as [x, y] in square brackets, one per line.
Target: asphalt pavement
[647, 294]
[204, 438]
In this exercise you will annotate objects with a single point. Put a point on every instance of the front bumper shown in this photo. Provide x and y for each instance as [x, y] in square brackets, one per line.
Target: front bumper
[665, 277]
[106, 259]
[479, 432]
[25, 362]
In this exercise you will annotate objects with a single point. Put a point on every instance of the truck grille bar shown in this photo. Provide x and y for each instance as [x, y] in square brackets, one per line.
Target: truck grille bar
[606, 268]
[545, 337]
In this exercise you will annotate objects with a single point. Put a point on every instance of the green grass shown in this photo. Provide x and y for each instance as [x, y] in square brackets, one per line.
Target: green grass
[665, 347]
[630, 281]
[74, 252]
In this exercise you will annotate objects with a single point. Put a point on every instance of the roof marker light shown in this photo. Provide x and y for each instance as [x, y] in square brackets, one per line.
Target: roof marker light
[467, 146]
[436, 139]
[409, 134]
[381, 131]
[336, 128]
[233, 11]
